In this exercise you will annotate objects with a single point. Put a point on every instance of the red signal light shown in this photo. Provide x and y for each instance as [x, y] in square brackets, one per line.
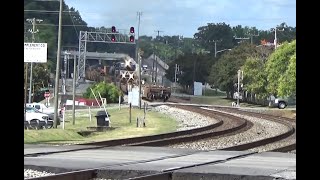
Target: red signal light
[131, 38]
[113, 38]
[132, 30]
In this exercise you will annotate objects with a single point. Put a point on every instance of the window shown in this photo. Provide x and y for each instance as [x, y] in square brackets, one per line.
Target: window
[37, 106]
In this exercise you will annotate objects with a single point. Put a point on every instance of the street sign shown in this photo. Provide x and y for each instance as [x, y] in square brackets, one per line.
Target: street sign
[35, 52]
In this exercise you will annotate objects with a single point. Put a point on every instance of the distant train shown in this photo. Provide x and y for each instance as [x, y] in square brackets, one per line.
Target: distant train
[155, 92]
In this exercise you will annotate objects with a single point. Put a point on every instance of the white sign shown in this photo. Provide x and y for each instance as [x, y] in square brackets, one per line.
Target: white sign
[197, 86]
[35, 52]
[133, 97]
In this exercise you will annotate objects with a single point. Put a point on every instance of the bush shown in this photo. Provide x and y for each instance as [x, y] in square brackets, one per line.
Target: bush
[106, 90]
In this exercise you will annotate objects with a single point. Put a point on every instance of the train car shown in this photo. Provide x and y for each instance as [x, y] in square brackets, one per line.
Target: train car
[155, 92]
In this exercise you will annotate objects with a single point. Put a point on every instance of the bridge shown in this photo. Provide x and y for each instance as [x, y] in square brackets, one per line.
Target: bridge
[96, 55]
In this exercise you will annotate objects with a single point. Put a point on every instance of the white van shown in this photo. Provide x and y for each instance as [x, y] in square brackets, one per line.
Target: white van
[41, 107]
[32, 114]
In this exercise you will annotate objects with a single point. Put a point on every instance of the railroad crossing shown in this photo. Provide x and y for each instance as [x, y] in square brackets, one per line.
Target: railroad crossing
[177, 164]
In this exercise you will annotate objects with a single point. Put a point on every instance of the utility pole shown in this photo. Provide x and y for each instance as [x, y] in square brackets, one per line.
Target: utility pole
[251, 36]
[240, 75]
[152, 78]
[176, 70]
[74, 88]
[25, 89]
[158, 31]
[138, 58]
[178, 45]
[215, 47]
[194, 71]
[275, 36]
[155, 62]
[33, 31]
[156, 73]
[64, 74]
[56, 87]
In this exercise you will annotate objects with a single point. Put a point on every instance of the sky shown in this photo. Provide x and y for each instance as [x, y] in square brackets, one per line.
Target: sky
[184, 17]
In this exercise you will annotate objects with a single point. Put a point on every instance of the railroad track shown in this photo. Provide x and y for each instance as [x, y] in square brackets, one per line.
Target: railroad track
[230, 124]
[224, 130]
[164, 174]
[227, 125]
[290, 122]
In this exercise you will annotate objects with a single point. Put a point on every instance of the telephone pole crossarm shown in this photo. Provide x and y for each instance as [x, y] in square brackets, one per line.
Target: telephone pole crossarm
[252, 35]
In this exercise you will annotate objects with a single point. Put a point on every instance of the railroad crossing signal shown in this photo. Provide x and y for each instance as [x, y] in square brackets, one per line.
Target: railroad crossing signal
[132, 34]
[120, 38]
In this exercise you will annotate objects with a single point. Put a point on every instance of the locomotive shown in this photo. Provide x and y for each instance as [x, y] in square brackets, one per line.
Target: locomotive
[155, 92]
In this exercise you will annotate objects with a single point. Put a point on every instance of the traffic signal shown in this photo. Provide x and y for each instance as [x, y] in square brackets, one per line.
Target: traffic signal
[113, 38]
[113, 29]
[131, 38]
[132, 30]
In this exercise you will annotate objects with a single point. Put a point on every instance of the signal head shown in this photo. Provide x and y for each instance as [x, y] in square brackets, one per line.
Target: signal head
[131, 38]
[113, 29]
[132, 30]
[113, 38]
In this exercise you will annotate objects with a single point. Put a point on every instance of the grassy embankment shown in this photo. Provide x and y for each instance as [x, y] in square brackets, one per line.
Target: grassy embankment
[156, 123]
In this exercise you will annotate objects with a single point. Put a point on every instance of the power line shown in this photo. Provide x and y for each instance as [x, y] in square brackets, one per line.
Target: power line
[75, 29]
[47, 11]
[62, 25]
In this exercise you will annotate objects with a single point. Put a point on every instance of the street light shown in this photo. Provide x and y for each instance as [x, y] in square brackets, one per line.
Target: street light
[215, 54]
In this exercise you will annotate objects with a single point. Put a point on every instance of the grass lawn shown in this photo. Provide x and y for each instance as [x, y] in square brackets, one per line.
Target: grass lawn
[156, 123]
[212, 92]
[219, 100]
[223, 101]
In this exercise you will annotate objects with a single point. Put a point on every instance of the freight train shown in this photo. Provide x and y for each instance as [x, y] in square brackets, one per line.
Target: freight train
[128, 73]
[155, 92]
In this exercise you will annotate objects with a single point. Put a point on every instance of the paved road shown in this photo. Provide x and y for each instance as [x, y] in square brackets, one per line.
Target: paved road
[130, 160]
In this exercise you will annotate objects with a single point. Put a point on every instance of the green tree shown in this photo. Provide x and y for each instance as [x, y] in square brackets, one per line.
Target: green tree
[255, 78]
[106, 90]
[219, 31]
[223, 73]
[277, 65]
[40, 79]
[194, 67]
[287, 82]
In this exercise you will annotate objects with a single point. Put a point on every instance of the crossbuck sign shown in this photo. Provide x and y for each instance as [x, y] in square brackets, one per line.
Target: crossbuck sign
[35, 52]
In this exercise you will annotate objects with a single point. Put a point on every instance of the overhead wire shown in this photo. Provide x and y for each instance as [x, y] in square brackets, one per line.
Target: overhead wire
[73, 24]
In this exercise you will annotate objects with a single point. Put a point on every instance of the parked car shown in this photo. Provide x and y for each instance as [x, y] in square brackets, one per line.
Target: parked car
[281, 102]
[41, 107]
[43, 119]
[35, 119]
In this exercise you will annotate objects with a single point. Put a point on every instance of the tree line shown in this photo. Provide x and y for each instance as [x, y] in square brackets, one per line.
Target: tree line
[195, 55]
